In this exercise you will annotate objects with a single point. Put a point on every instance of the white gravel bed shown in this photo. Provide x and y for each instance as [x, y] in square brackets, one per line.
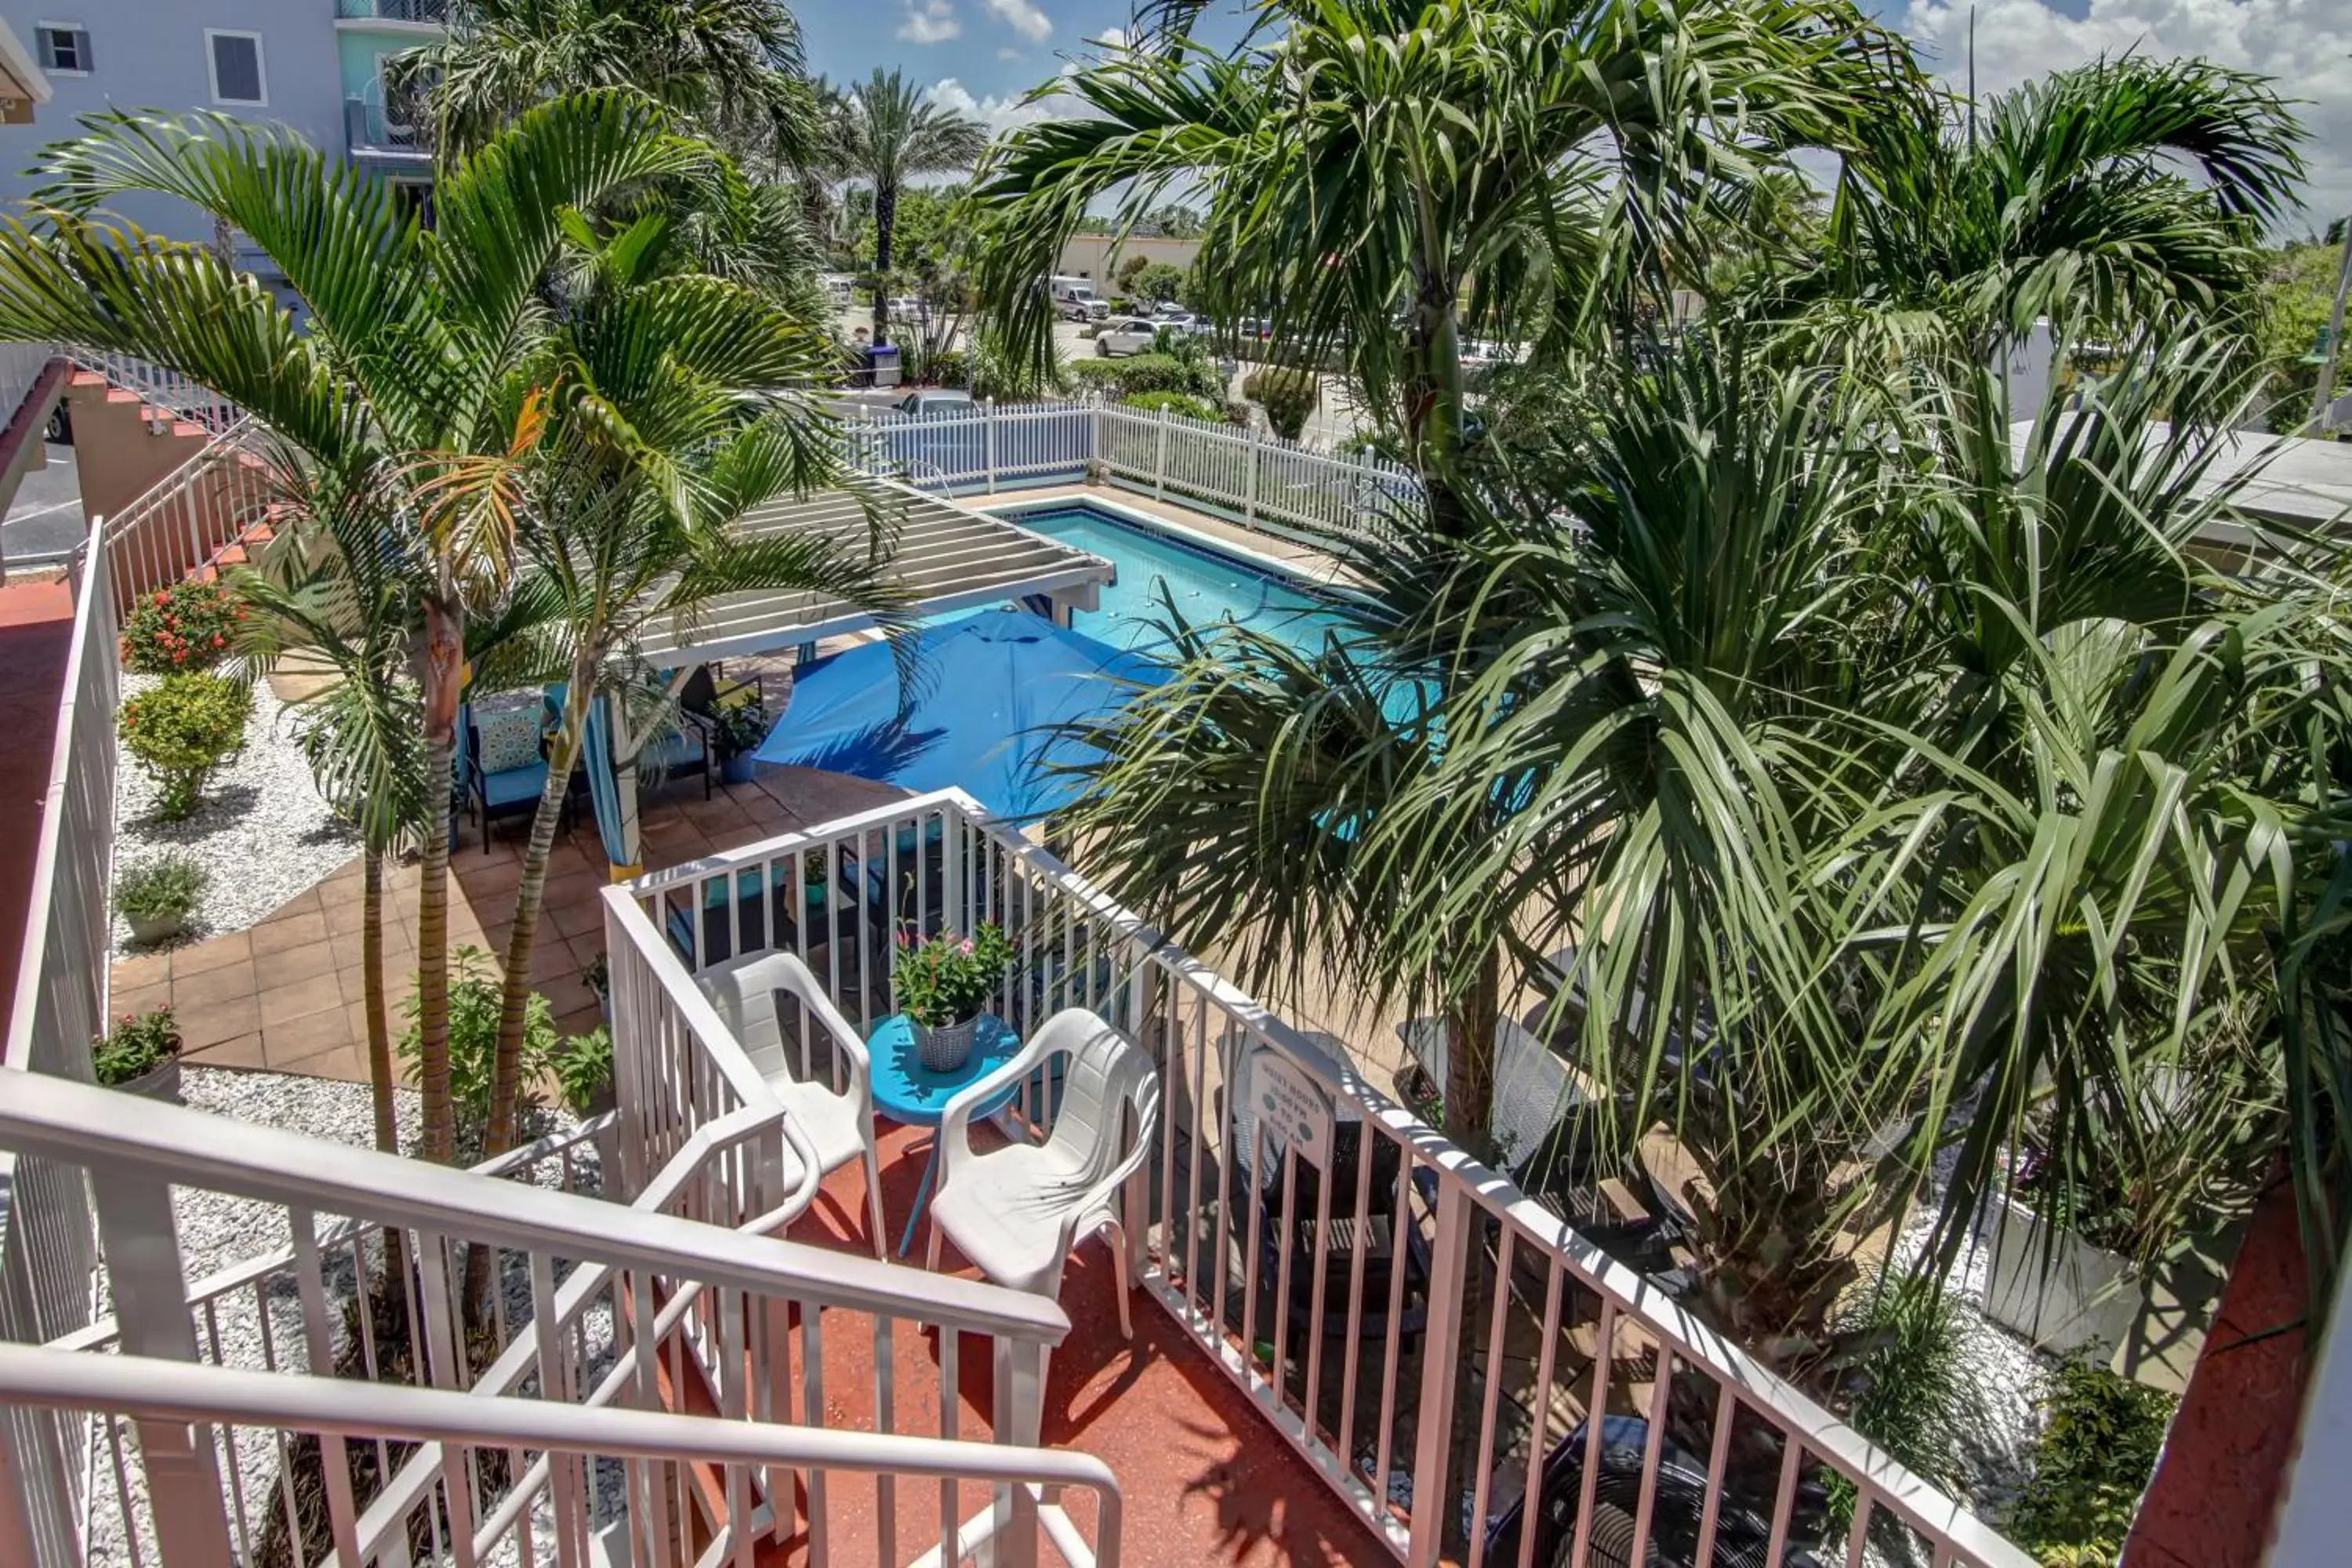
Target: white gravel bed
[261, 828]
[256, 1324]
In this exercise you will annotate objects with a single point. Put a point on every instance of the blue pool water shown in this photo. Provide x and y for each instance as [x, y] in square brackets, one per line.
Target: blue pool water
[1205, 583]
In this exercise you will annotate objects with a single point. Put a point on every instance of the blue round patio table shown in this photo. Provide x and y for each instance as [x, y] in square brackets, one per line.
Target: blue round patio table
[911, 1094]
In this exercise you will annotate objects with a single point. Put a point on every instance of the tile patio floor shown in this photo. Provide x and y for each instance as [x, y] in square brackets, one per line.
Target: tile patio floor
[284, 995]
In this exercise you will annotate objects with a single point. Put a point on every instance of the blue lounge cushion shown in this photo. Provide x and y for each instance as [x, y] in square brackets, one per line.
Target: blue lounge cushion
[514, 784]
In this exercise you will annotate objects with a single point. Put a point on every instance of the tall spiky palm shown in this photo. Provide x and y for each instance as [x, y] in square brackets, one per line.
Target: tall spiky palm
[888, 130]
[2067, 198]
[1515, 170]
[414, 380]
[683, 405]
[734, 61]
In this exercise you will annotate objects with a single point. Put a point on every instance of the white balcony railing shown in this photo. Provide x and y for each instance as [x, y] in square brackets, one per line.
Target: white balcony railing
[49, 1248]
[1255, 477]
[600, 1306]
[1432, 1339]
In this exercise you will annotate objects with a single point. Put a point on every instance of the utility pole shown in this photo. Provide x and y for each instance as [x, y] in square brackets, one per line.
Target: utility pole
[2329, 349]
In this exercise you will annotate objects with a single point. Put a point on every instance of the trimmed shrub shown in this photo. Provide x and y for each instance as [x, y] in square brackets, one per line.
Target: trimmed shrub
[1175, 403]
[1102, 375]
[182, 731]
[186, 626]
[1288, 397]
[2090, 1465]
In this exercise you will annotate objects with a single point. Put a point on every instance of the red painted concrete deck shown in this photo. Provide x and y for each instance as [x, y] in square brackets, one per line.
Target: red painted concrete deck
[1206, 1480]
[36, 631]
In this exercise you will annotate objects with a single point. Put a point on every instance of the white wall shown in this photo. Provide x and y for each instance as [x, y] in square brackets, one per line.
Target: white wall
[152, 54]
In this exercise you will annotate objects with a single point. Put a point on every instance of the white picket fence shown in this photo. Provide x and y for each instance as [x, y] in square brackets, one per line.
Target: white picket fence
[1256, 479]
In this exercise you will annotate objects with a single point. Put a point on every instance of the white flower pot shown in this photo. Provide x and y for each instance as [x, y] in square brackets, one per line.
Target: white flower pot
[2062, 1293]
[946, 1047]
[157, 1083]
[148, 929]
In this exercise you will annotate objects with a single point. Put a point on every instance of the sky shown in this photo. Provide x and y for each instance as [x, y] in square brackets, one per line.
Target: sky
[982, 57]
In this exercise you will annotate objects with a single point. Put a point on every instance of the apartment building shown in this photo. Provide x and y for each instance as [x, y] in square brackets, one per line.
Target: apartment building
[316, 65]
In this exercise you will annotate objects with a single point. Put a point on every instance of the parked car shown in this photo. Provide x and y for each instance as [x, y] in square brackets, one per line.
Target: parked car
[934, 400]
[909, 309]
[1180, 323]
[1127, 335]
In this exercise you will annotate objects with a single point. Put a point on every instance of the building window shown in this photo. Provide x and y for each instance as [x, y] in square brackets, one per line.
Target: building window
[235, 62]
[64, 48]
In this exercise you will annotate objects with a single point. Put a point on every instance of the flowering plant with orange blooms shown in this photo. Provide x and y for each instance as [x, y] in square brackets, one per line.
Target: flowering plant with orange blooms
[950, 978]
[183, 626]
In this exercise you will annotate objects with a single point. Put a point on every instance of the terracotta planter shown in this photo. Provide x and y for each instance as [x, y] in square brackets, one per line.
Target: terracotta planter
[946, 1047]
[159, 1083]
[148, 929]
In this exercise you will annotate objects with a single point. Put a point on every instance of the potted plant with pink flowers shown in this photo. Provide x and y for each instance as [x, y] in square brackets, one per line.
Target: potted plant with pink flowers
[943, 985]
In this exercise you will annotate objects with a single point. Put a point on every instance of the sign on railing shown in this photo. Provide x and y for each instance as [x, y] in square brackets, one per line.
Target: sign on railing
[1254, 477]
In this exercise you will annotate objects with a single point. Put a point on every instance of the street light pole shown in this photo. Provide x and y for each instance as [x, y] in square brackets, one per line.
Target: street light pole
[2335, 333]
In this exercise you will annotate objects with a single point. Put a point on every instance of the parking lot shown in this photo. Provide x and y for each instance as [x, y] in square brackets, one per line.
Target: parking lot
[1334, 419]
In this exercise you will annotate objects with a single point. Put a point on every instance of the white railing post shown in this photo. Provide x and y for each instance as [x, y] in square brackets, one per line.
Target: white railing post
[143, 1259]
[1249, 481]
[1457, 1224]
[1159, 457]
[988, 424]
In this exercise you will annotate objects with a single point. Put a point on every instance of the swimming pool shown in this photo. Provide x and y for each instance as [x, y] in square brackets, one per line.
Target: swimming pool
[1206, 584]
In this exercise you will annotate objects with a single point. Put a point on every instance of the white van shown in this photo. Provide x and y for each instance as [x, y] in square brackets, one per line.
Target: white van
[1075, 299]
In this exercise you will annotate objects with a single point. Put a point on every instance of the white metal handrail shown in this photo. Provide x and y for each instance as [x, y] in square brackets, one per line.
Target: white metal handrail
[121, 1134]
[179, 396]
[186, 519]
[1254, 477]
[944, 863]
[48, 1245]
[173, 1391]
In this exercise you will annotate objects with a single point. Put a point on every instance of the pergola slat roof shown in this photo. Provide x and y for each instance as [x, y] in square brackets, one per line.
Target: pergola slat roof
[949, 557]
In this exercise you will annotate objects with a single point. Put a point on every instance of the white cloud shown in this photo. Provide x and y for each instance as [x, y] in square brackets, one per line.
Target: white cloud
[1023, 17]
[2306, 45]
[999, 112]
[1113, 38]
[1008, 53]
[933, 22]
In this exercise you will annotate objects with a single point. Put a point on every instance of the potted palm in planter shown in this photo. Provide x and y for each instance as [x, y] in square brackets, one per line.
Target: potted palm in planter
[140, 1055]
[943, 986]
[156, 898]
[740, 728]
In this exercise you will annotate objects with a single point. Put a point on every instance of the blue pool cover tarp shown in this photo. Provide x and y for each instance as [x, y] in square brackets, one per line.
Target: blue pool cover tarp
[992, 689]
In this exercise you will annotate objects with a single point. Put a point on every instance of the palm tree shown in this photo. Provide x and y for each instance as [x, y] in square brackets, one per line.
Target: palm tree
[413, 379]
[338, 594]
[713, 61]
[650, 459]
[887, 131]
[2066, 200]
[1517, 170]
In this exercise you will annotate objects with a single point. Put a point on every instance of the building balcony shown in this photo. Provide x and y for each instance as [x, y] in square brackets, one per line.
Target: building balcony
[422, 13]
[372, 132]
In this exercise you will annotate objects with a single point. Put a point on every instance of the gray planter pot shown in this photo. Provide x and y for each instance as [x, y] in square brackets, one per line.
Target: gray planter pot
[2062, 1293]
[946, 1048]
[163, 1083]
[148, 929]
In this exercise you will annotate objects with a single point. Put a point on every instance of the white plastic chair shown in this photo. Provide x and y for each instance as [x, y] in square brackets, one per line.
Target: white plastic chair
[743, 994]
[1016, 1212]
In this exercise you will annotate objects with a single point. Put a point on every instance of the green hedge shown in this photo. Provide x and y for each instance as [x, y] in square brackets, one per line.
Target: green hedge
[1176, 403]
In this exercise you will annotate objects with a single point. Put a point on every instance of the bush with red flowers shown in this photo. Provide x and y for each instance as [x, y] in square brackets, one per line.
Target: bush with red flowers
[185, 626]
